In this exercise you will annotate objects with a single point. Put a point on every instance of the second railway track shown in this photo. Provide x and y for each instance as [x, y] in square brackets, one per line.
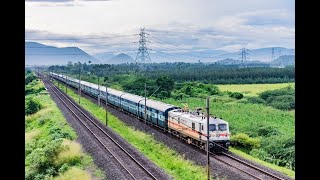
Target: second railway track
[245, 167]
[130, 164]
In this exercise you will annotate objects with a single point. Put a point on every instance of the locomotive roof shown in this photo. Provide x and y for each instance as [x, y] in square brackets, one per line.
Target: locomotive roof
[197, 118]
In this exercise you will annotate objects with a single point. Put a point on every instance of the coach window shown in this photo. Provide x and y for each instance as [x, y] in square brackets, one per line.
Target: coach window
[193, 126]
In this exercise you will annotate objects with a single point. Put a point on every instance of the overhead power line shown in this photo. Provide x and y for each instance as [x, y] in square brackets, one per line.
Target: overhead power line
[44, 54]
[85, 45]
[81, 38]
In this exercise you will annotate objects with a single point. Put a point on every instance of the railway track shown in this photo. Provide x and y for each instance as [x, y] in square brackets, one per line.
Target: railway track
[240, 165]
[245, 167]
[130, 165]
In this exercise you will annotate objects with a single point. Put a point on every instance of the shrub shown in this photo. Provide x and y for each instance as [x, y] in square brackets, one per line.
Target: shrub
[284, 102]
[278, 92]
[63, 168]
[32, 106]
[255, 100]
[261, 154]
[236, 95]
[29, 78]
[244, 142]
[282, 150]
[267, 131]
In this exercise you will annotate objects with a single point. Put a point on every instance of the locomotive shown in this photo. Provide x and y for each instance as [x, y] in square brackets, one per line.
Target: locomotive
[189, 125]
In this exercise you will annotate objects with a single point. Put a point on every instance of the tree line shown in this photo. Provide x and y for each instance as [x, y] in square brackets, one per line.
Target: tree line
[181, 72]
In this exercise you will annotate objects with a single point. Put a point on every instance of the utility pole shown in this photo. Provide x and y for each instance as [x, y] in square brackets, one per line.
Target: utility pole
[79, 90]
[58, 79]
[208, 137]
[98, 92]
[143, 53]
[66, 84]
[145, 103]
[106, 105]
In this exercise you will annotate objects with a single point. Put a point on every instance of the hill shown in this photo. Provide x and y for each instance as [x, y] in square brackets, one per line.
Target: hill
[283, 61]
[40, 54]
[120, 59]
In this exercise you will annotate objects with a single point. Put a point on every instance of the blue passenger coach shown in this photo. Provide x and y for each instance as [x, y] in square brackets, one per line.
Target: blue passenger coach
[156, 112]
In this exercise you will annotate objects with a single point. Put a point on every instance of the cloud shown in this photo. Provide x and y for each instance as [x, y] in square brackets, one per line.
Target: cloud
[57, 1]
[92, 43]
[188, 26]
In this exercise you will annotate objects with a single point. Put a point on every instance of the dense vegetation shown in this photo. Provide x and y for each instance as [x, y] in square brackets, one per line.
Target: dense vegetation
[51, 151]
[261, 131]
[283, 98]
[181, 72]
[261, 126]
[32, 85]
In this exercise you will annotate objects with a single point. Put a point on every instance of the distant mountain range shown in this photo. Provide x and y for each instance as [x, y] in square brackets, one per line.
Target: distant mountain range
[281, 61]
[120, 58]
[40, 54]
[114, 59]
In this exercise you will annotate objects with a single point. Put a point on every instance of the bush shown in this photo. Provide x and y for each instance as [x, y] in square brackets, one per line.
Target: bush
[63, 168]
[261, 154]
[278, 92]
[236, 95]
[281, 149]
[57, 133]
[255, 100]
[284, 102]
[32, 106]
[29, 78]
[244, 142]
[267, 131]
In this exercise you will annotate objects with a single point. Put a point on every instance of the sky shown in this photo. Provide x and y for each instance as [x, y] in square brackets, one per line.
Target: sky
[172, 25]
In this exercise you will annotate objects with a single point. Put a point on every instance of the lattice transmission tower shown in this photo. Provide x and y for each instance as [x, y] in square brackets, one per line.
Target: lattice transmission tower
[244, 57]
[143, 56]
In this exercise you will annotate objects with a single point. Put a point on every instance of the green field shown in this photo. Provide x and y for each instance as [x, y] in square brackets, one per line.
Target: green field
[274, 129]
[172, 162]
[51, 151]
[252, 89]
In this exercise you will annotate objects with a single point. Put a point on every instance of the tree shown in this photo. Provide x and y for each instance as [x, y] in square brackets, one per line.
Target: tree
[32, 106]
[166, 83]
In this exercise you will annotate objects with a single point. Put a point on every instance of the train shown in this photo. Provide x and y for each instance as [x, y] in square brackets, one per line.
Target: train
[190, 126]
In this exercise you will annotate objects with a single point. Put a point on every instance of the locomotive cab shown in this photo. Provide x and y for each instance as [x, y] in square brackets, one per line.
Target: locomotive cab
[219, 135]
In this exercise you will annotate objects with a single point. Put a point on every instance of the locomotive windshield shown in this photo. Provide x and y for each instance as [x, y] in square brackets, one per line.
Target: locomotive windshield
[222, 127]
[212, 127]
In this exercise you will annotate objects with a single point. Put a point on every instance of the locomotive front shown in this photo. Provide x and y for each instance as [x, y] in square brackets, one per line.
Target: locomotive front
[219, 134]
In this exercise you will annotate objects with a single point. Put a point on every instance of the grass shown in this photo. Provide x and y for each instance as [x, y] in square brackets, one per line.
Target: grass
[272, 166]
[252, 89]
[41, 129]
[31, 135]
[74, 174]
[169, 160]
[72, 152]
